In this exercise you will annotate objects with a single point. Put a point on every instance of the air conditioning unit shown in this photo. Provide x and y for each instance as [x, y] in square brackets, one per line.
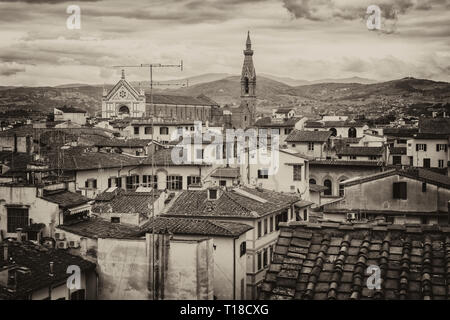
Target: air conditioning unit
[61, 244]
[351, 216]
[60, 236]
[74, 244]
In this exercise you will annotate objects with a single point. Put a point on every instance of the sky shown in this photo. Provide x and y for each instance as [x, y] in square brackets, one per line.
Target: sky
[300, 39]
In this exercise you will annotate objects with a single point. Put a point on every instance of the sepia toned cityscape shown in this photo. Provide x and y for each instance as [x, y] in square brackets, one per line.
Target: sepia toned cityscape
[225, 150]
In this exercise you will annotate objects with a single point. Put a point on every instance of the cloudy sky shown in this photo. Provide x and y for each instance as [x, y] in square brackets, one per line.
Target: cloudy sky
[301, 39]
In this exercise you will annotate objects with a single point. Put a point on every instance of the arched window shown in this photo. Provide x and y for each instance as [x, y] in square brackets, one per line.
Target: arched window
[333, 132]
[352, 132]
[246, 86]
[312, 181]
[124, 110]
[327, 183]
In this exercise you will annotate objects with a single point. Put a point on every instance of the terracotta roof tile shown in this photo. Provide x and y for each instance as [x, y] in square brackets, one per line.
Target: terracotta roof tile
[334, 263]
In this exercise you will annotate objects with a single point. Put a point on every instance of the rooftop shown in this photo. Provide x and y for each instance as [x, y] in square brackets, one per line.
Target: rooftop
[190, 226]
[308, 136]
[65, 199]
[337, 162]
[276, 123]
[242, 202]
[35, 260]
[70, 109]
[360, 151]
[128, 202]
[330, 261]
[96, 227]
[226, 173]
[181, 100]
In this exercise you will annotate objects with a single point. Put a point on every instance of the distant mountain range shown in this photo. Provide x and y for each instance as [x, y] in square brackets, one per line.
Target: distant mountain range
[272, 92]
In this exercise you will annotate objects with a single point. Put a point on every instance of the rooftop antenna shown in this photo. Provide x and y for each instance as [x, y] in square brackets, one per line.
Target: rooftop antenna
[150, 67]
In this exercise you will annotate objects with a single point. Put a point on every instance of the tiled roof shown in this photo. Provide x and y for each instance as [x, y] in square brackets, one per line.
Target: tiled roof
[434, 125]
[65, 198]
[398, 150]
[16, 161]
[434, 136]
[226, 173]
[336, 162]
[196, 226]
[100, 228]
[130, 143]
[128, 202]
[308, 136]
[400, 132]
[69, 109]
[330, 261]
[360, 151]
[231, 203]
[269, 122]
[181, 100]
[333, 124]
[413, 173]
[283, 110]
[37, 259]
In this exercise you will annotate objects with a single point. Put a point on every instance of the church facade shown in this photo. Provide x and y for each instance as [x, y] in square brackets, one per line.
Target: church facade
[125, 101]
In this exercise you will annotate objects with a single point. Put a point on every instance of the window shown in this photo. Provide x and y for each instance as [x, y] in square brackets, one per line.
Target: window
[263, 173]
[259, 229]
[424, 187]
[148, 130]
[91, 183]
[305, 215]
[399, 190]
[341, 190]
[440, 163]
[312, 181]
[132, 182]
[136, 130]
[373, 157]
[352, 157]
[199, 154]
[441, 147]
[193, 180]
[174, 182]
[222, 183]
[265, 226]
[327, 183]
[265, 255]
[421, 147]
[164, 130]
[16, 218]
[243, 248]
[297, 172]
[287, 131]
[271, 224]
[115, 219]
[150, 181]
[259, 261]
[426, 162]
[396, 160]
[310, 146]
[213, 194]
[77, 295]
[293, 145]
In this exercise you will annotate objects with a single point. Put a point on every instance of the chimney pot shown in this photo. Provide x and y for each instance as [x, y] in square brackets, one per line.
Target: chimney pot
[19, 234]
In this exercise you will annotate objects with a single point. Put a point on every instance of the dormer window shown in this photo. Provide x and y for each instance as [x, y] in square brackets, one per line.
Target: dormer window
[212, 194]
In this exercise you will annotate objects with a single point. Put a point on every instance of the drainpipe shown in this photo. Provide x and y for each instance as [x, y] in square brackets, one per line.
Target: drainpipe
[234, 266]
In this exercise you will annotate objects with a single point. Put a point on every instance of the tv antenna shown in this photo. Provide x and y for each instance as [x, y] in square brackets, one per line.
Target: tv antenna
[150, 67]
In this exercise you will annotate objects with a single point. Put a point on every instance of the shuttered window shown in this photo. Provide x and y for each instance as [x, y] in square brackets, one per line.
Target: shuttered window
[400, 190]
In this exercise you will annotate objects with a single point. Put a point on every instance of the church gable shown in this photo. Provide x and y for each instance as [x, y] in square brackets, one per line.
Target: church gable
[123, 91]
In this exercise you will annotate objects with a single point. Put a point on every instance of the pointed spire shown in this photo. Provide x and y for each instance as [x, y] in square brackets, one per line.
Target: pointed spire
[249, 42]
[123, 74]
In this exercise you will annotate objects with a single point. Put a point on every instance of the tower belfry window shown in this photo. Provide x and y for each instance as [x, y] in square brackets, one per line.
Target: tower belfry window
[246, 86]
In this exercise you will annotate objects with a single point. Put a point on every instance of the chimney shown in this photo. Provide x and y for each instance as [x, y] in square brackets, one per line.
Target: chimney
[19, 234]
[83, 246]
[51, 269]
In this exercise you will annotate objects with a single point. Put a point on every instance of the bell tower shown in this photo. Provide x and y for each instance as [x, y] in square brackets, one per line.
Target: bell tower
[248, 80]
